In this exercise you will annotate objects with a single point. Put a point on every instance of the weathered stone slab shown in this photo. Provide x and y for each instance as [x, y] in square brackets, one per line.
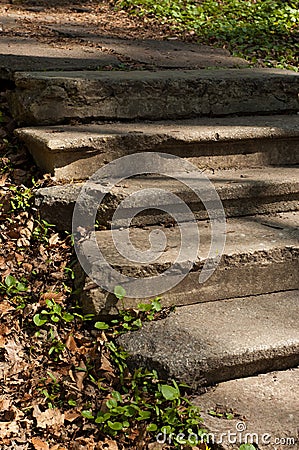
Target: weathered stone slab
[56, 97]
[261, 255]
[211, 342]
[266, 410]
[77, 151]
[243, 192]
[28, 54]
[171, 54]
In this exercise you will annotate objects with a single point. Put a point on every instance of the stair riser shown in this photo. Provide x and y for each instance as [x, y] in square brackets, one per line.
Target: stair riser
[82, 162]
[275, 360]
[59, 212]
[266, 361]
[52, 98]
[259, 275]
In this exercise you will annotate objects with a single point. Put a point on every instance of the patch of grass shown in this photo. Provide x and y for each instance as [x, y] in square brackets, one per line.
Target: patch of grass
[262, 31]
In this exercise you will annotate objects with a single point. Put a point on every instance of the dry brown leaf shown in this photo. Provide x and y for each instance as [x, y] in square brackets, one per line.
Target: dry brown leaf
[108, 444]
[71, 415]
[43, 252]
[71, 344]
[5, 307]
[38, 444]
[4, 403]
[49, 418]
[14, 352]
[155, 446]
[3, 179]
[2, 345]
[58, 297]
[58, 275]
[13, 234]
[19, 257]
[23, 242]
[4, 330]
[106, 365]
[2, 263]
[80, 375]
[54, 239]
[8, 428]
[58, 447]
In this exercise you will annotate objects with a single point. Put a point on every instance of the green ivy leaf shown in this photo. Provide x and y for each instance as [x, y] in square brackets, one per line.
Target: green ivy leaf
[67, 317]
[152, 427]
[169, 392]
[38, 320]
[137, 323]
[119, 292]
[21, 287]
[55, 319]
[247, 447]
[156, 305]
[101, 418]
[50, 303]
[87, 414]
[116, 426]
[111, 403]
[101, 325]
[144, 307]
[10, 281]
[143, 415]
[117, 396]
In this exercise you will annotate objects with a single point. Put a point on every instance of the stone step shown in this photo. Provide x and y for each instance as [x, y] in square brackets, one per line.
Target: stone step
[265, 411]
[213, 342]
[76, 152]
[242, 192]
[59, 97]
[261, 255]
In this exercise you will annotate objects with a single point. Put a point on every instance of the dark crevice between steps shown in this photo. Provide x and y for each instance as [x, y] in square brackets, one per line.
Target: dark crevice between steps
[104, 121]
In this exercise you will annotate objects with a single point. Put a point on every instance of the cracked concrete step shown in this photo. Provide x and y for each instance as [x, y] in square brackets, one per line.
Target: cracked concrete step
[265, 409]
[261, 255]
[76, 152]
[58, 97]
[219, 341]
[242, 192]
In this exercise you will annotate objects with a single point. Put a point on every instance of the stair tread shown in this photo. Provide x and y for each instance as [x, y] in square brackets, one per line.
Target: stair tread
[246, 236]
[69, 138]
[265, 406]
[217, 73]
[218, 341]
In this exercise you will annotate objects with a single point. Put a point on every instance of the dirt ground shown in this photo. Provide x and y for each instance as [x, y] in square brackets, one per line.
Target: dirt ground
[94, 35]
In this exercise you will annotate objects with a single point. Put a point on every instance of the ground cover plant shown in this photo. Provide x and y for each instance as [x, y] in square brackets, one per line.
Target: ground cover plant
[265, 32]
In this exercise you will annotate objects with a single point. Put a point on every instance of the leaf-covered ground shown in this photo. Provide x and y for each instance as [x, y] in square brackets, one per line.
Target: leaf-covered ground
[265, 32]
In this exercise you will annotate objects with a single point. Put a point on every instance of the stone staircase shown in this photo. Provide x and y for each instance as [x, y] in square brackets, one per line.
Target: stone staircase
[241, 128]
